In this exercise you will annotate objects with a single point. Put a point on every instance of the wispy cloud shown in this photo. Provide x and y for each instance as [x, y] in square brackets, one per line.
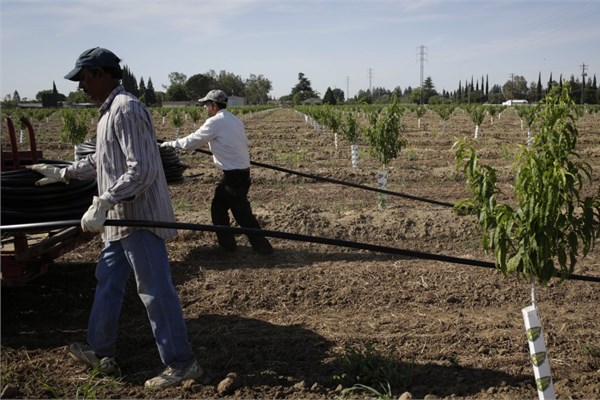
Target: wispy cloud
[335, 38]
[73, 16]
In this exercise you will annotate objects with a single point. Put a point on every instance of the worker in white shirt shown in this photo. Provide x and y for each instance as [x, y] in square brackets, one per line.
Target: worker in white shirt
[225, 135]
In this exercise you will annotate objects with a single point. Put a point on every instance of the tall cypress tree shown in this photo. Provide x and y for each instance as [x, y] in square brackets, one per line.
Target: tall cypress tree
[329, 98]
[149, 94]
[483, 98]
[129, 82]
[560, 82]
[539, 87]
[142, 87]
[595, 92]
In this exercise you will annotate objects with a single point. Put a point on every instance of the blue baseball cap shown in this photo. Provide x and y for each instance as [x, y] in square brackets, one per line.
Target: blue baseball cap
[93, 58]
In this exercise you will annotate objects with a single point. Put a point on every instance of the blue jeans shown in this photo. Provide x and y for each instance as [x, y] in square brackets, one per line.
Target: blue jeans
[145, 254]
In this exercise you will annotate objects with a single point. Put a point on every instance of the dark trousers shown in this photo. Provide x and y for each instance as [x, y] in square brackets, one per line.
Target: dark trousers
[231, 193]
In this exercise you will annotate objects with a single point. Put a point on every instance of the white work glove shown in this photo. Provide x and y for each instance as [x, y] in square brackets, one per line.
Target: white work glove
[168, 144]
[51, 174]
[94, 217]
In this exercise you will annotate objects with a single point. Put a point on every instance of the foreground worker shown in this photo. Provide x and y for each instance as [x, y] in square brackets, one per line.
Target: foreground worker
[225, 135]
[131, 185]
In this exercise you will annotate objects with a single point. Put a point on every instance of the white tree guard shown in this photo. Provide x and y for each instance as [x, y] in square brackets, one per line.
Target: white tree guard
[335, 139]
[539, 356]
[354, 155]
[382, 180]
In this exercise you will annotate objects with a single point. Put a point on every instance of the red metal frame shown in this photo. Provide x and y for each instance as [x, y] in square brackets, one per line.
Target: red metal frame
[26, 256]
[11, 160]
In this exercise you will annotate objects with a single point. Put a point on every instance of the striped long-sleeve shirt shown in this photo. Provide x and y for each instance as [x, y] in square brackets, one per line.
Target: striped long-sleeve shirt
[127, 166]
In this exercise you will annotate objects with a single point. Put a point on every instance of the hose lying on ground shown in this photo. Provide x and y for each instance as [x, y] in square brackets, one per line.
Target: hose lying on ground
[277, 234]
[339, 182]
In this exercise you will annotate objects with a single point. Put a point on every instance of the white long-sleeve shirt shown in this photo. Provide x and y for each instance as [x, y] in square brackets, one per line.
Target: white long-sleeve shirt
[127, 166]
[226, 138]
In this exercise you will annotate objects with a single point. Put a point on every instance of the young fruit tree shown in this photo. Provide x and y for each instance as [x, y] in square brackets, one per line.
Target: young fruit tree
[527, 115]
[383, 135]
[74, 127]
[492, 110]
[444, 112]
[177, 121]
[420, 112]
[350, 131]
[477, 113]
[194, 113]
[554, 221]
[163, 112]
[332, 121]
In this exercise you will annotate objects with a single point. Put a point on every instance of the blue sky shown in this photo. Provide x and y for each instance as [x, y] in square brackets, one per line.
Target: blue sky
[345, 44]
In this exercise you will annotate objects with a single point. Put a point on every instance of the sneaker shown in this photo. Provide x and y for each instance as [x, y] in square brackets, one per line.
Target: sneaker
[173, 377]
[84, 354]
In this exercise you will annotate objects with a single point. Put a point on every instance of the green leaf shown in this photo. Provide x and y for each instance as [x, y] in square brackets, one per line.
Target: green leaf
[550, 223]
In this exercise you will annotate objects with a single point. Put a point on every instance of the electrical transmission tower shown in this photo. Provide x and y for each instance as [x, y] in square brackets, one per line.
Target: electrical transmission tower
[347, 87]
[583, 75]
[512, 86]
[421, 57]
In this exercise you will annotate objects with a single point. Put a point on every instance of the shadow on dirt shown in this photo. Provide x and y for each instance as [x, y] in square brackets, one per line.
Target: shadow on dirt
[217, 259]
[52, 311]
[457, 381]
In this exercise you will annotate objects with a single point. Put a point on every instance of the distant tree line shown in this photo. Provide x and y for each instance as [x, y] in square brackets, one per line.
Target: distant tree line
[475, 91]
[255, 89]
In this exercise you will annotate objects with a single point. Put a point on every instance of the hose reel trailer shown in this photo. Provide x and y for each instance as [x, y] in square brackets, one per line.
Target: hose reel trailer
[27, 255]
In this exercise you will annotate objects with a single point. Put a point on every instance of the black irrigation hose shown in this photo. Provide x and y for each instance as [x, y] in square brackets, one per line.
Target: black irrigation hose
[339, 182]
[172, 164]
[24, 202]
[82, 150]
[276, 234]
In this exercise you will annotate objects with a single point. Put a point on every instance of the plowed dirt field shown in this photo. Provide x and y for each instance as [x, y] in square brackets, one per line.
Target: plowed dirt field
[281, 327]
